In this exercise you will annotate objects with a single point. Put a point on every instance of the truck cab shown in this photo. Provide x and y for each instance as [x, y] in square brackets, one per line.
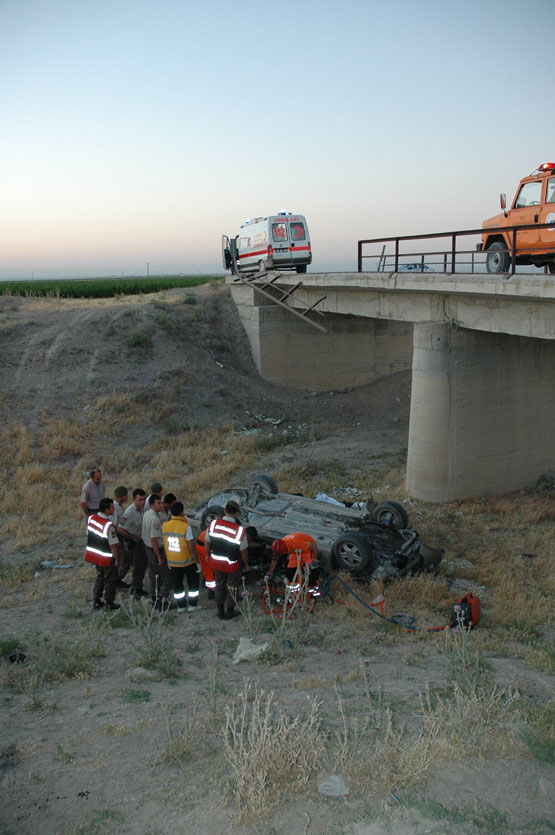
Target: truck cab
[534, 203]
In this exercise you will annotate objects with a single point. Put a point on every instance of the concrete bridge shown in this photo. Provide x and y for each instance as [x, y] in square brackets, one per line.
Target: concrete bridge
[482, 353]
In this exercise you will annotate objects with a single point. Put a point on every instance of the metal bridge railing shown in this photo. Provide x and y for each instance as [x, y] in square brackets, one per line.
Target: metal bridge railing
[391, 258]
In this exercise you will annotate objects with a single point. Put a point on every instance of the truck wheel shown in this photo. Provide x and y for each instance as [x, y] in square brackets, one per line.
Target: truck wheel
[551, 267]
[497, 259]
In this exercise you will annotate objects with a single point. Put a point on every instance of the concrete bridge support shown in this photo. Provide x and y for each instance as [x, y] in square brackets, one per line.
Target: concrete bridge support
[355, 351]
[482, 412]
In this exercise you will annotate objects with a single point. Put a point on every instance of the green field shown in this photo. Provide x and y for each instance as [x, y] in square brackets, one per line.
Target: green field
[89, 288]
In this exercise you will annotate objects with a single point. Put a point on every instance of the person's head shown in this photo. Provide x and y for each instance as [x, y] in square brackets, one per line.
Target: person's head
[121, 494]
[155, 502]
[279, 548]
[169, 499]
[106, 506]
[252, 533]
[232, 508]
[176, 509]
[156, 487]
[139, 498]
[96, 475]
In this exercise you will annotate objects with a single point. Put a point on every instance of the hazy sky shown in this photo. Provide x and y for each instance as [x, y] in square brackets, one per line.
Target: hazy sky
[137, 131]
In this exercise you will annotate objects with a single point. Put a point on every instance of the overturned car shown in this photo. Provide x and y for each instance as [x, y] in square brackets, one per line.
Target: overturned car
[372, 541]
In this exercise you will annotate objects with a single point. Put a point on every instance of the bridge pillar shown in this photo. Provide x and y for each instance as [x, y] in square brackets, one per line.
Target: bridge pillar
[482, 409]
[289, 352]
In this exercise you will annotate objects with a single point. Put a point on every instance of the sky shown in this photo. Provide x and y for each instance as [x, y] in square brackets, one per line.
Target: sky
[139, 131]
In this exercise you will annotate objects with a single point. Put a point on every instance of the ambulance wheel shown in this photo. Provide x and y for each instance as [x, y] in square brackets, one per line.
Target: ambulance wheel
[497, 259]
[391, 513]
[301, 269]
[261, 267]
[354, 553]
[213, 511]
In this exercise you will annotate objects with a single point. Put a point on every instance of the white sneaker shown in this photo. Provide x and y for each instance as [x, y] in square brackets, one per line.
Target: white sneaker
[182, 609]
[192, 609]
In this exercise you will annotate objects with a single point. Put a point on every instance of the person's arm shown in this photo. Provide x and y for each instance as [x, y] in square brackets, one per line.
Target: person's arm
[156, 548]
[245, 558]
[272, 566]
[84, 508]
[115, 552]
[128, 535]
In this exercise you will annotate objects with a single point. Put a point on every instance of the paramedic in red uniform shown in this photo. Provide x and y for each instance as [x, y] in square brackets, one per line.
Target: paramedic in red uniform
[207, 570]
[226, 548]
[301, 551]
[103, 551]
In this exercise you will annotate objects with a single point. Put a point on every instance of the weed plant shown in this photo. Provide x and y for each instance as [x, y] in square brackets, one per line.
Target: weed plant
[182, 734]
[153, 649]
[98, 288]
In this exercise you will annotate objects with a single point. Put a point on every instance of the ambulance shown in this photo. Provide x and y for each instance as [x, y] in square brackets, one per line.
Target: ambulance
[275, 242]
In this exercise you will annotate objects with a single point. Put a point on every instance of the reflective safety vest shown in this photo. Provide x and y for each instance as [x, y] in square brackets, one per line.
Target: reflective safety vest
[98, 548]
[225, 539]
[175, 542]
[298, 550]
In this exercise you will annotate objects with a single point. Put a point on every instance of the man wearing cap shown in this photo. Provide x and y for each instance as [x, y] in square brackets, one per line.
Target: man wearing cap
[92, 492]
[302, 552]
[227, 552]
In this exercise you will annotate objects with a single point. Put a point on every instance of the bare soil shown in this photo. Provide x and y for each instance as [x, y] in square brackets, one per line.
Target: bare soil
[86, 754]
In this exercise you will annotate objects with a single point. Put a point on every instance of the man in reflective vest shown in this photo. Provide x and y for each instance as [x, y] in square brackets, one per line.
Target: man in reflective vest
[302, 555]
[102, 550]
[207, 571]
[226, 548]
[179, 545]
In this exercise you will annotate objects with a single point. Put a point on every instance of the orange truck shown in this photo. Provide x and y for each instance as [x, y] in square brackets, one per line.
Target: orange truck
[534, 203]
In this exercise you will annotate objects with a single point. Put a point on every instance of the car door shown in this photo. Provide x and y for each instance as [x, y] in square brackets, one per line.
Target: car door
[526, 210]
[298, 235]
[280, 240]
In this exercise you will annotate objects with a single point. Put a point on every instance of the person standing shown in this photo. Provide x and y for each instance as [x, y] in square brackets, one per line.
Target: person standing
[160, 580]
[92, 492]
[227, 552]
[179, 545]
[207, 569]
[102, 550]
[130, 531]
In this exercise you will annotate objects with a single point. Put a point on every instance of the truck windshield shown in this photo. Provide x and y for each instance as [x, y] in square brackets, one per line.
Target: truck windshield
[279, 231]
[298, 232]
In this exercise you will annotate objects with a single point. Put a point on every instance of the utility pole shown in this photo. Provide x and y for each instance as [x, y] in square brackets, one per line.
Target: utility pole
[148, 269]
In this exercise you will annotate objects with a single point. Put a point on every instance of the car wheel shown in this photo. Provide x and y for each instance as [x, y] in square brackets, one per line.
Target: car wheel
[391, 513]
[261, 487]
[354, 553]
[301, 268]
[213, 511]
[497, 259]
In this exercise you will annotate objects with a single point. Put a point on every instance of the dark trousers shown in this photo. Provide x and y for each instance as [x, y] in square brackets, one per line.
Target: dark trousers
[189, 572]
[225, 583]
[133, 554]
[106, 579]
[160, 579]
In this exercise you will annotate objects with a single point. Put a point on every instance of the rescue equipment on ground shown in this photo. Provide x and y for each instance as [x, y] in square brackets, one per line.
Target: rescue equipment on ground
[466, 612]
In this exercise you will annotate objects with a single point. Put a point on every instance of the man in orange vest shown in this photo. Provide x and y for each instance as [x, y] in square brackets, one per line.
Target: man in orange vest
[302, 553]
[103, 551]
[226, 548]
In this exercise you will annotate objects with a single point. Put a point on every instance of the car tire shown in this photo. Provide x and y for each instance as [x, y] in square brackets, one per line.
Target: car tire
[355, 554]
[213, 511]
[260, 487]
[301, 269]
[497, 258]
[391, 513]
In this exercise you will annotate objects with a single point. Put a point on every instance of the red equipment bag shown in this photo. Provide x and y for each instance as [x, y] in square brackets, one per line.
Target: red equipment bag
[466, 611]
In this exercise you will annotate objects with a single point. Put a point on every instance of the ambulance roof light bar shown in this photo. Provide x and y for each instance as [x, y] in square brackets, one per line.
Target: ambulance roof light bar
[546, 166]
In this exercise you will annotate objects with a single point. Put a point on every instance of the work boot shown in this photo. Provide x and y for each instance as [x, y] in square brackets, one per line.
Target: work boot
[112, 607]
[221, 613]
[211, 594]
[98, 603]
[231, 613]
[121, 584]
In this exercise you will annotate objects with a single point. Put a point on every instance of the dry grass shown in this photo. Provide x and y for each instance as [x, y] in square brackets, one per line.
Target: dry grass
[270, 753]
